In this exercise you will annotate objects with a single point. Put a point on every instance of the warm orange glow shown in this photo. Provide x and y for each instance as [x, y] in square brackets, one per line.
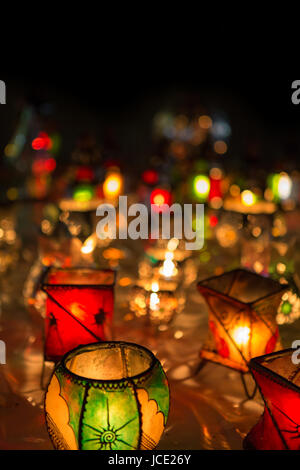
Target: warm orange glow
[205, 122]
[112, 186]
[241, 335]
[159, 200]
[89, 245]
[155, 287]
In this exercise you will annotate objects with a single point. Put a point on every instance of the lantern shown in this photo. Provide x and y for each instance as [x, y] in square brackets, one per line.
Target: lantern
[107, 396]
[242, 318]
[79, 308]
[278, 379]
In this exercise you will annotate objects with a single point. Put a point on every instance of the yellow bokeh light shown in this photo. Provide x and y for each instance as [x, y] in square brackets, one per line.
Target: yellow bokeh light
[202, 186]
[248, 198]
[112, 186]
[241, 335]
[159, 200]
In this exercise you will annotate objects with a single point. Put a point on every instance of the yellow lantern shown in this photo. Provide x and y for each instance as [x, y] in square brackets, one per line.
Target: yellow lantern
[107, 396]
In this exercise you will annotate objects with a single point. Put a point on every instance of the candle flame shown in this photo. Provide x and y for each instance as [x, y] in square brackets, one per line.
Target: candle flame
[154, 301]
[241, 336]
[89, 245]
[155, 286]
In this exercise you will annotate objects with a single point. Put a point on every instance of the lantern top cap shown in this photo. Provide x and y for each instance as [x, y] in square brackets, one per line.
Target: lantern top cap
[70, 205]
[278, 367]
[241, 286]
[109, 362]
[260, 208]
[79, 277]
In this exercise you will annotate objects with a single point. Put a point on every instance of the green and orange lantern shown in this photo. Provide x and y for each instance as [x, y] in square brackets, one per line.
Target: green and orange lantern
[107, 396]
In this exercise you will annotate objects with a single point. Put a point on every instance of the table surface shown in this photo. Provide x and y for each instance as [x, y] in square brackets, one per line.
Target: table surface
[208, 410]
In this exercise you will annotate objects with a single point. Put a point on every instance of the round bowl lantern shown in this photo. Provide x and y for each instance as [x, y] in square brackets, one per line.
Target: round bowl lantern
[107, 396]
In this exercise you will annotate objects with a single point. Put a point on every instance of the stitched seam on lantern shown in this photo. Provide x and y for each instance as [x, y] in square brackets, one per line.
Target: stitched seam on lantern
[72, 316]
[273, 419]
[139, 414]
[139, 378]
[273, 376]
[85, 399]
[227, 332]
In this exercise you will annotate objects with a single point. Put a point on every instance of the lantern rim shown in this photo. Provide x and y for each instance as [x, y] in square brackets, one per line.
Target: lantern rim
[256, 364]
[106, 345]
[52, 269]
[204, 288]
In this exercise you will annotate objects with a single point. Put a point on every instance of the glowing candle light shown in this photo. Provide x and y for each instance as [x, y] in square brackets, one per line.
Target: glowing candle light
[89, 245]
[168, 268]
[113, 185]
[201, 187]
[248, 198]
[242, 317]
[241, 336]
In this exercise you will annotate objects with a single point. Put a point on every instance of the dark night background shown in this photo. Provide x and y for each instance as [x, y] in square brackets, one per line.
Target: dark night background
[118, 107]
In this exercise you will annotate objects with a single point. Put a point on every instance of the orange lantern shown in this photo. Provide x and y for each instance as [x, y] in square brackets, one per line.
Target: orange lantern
[242, 318]
[278, 378]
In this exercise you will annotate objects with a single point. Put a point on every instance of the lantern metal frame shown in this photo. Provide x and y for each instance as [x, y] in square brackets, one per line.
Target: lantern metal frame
[212, 356]
[256, 364]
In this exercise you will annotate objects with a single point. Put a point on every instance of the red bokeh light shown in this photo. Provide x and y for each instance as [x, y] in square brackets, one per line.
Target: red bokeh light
[159, 197]
[150, 177]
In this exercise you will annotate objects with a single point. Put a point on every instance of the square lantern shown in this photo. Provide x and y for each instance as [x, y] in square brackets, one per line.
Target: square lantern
[79, 308]
[278, 378]
[107, 396]
[242, 317]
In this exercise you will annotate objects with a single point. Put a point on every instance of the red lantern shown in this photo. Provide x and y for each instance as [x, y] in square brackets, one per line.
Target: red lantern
[79, 308]
[278, 379]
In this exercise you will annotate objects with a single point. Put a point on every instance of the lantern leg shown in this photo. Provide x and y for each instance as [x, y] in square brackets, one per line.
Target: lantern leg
[249, 395]
[199, 367]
